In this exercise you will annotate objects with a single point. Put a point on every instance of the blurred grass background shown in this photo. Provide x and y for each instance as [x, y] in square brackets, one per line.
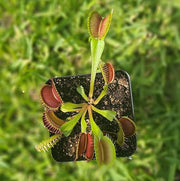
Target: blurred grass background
[40, 39]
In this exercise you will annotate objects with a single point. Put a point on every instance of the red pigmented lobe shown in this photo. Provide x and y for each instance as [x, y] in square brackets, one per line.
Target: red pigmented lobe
[90, 147]
[48, 98]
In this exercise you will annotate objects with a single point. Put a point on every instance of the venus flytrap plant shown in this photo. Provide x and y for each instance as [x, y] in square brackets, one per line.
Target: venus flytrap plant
[93, 139]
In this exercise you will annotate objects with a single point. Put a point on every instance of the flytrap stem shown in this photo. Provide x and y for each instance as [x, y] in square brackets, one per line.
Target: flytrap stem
[97, 47]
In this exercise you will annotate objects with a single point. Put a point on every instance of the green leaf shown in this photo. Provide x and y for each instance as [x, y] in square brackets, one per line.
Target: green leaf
[120, 136]
[110, 115]
[67, 127]
[47, 144]
[102, 94]
[70, 107]
[104, 150]
[83, 123]
[95, 129]
[97, 47]
[81, 91]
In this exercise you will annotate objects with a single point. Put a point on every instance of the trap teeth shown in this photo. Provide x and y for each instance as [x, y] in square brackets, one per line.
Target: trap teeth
[52, 122]
[48, 143]
[107, 72]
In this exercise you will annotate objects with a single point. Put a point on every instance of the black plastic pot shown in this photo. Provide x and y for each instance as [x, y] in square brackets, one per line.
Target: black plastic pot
[119, 99]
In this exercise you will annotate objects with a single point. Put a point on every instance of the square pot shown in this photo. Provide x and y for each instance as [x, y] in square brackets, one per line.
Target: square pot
[118, 98]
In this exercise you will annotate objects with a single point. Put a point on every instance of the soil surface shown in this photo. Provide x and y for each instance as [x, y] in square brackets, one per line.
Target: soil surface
[119, 99]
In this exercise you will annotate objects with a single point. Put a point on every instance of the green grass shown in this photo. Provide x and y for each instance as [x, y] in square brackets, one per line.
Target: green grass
[40, 39]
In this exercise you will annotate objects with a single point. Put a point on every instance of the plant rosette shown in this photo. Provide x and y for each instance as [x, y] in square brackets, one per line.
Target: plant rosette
[90, 116]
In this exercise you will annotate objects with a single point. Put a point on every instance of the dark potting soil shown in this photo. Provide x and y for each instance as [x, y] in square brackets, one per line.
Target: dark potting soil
[119, 99]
